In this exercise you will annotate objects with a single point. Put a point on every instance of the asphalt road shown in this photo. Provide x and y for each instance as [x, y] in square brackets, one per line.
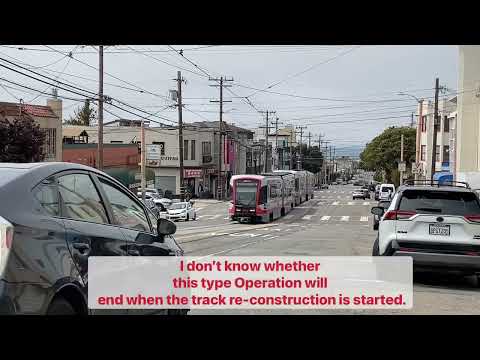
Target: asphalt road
[330, 224]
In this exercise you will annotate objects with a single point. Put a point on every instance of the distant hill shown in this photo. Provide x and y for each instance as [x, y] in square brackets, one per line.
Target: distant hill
[352, 150]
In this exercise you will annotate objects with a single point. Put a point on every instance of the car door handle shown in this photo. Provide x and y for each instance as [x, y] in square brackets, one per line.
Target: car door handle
[133, 252]
[82, 247]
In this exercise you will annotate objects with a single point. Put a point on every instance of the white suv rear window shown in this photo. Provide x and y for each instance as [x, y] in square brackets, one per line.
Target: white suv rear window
[439, 202]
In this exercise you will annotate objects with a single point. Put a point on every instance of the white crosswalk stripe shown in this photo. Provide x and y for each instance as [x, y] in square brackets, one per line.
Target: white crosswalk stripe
[307, 217]
[335, 203]
[226, 218]
[366, 203]
[364, 218]
[325, 218]
[345, 218]
[351, 203]
[288, 217]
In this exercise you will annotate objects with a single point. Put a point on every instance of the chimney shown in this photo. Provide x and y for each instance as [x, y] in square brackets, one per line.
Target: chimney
[56, 105]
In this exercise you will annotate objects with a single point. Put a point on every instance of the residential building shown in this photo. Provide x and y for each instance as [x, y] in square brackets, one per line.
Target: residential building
[467, 164]
[201, 144]
[279, 146]
[48, 117]
[443, 151]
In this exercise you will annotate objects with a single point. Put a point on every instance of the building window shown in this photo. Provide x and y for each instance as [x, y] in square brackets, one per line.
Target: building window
[446, 153]
[446, 124]
[424, 123]
[206, 148]
[192, 152]
[162, 146]
[185, 149]
[423, 153]
[437, 153]
[49, 145]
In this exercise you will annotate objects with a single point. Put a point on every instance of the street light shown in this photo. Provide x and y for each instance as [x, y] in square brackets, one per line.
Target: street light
[413, 96]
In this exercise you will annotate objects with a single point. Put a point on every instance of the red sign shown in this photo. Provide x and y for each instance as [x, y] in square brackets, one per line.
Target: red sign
[193, 173]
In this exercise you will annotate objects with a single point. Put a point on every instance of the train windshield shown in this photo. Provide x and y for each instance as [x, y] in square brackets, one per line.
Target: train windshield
[246, 194]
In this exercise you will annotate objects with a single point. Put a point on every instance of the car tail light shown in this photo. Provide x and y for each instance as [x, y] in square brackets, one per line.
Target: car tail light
[399, 215]
[473, 218]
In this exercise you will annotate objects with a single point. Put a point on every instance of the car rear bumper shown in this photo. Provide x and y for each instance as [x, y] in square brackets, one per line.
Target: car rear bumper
[177, 217]
[449, 256]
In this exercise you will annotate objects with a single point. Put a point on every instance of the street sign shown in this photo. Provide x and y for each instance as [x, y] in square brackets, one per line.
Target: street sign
[402, 166]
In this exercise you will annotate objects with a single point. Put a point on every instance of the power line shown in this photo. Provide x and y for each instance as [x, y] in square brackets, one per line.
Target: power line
[113, 76]
[306, 70]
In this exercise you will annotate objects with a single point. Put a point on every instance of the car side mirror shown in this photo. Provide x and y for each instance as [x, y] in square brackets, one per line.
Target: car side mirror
[377, 210]
[166, 227]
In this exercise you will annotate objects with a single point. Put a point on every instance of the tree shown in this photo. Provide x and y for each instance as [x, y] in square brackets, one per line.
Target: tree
[382, 155]
[21, 140]
[84, 116]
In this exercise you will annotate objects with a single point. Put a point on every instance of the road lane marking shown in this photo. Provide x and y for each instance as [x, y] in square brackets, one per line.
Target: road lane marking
[345, 218]
[335, 203]
[226, 218]
[306, 217]
[325, 218]
[364, 218]
[366, 203]
[351, 203]
[288, 217]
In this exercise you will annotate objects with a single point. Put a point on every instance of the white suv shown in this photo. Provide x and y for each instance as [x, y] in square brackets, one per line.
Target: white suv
[437, 225]
[386, 191]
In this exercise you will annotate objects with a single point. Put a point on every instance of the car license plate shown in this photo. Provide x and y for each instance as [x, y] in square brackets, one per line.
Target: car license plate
[442, 230]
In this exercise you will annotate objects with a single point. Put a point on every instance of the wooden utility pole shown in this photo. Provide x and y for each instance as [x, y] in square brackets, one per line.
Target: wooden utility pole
[418, 137]
[401, 158]
[221, 132]
[276, 122]
[435, 130]
[299, 159]
[100, 109]
[142, 159]
[309, 139]
[180, 131]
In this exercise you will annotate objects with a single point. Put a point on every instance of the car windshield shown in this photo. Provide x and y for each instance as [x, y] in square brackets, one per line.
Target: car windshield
[246, 194]
[387, 189]
[177, 206]
[439, 202]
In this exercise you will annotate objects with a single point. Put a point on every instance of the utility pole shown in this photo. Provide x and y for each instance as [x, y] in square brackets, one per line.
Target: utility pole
[411, 122]
[220, 132]
[142, 159]
[267, 130]
[401, 158]
[299, 160]
[309, 139]
[100, 108]
[276, 122]
[180, 130]
[435, 128]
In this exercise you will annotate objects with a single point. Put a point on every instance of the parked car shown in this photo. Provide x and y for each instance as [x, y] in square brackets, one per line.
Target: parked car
[358, 194]
[367, 193]
[376, 219]
[151, 192]
[324, 186]
[386, 191]
[334, 183]
[182, 211]
[438, 226]
[377, 192]
[53, 216]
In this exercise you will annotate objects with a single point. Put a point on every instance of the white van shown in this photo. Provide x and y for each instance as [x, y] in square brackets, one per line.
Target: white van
[386, 192]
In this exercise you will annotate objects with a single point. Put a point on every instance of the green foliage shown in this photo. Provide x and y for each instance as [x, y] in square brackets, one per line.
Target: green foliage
[312, 158]
[84, 116]
[21, 140]
[382, 155]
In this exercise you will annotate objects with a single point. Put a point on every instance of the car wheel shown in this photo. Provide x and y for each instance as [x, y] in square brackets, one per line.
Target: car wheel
[188, 217]
[376, 248]
[60, 306]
